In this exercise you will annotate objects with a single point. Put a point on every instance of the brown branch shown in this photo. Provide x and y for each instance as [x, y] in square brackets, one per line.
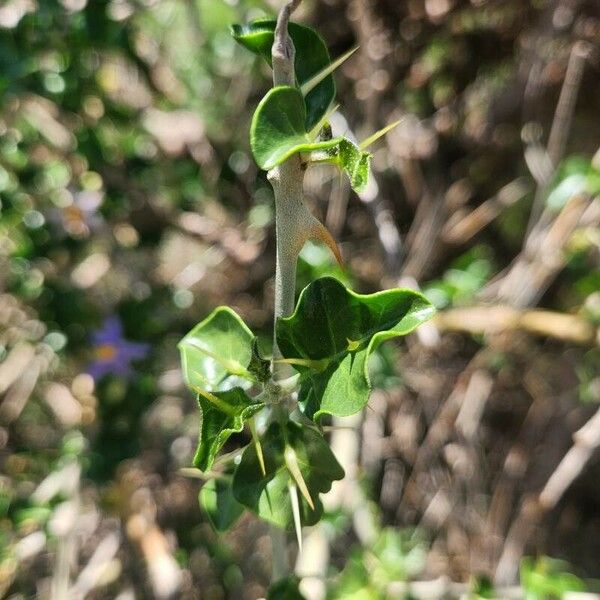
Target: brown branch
[497, 319]
[586, 441]
[565, 107]
[559, 131]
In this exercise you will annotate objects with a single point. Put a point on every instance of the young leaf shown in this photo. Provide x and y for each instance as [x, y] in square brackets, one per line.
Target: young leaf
[219, 420]
[217, 501]
[327, 316]
[278, 128]
[355, 162]
[215, 353]
[312, 57]
[268, 495]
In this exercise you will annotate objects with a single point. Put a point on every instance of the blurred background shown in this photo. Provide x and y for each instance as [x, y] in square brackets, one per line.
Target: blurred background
[130, 207]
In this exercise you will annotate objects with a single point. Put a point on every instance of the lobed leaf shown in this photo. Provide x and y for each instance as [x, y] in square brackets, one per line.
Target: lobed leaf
[217, 501]
[278, 131]
[215, 354]
[312, 57]
[223, 413]
[267, 495]
[333, 323]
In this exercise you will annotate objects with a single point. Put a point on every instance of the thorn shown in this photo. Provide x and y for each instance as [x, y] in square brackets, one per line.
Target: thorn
[314, 81]
[373, 138]
[296, 512]
[291, 462]
[257, 446]
[321, 232]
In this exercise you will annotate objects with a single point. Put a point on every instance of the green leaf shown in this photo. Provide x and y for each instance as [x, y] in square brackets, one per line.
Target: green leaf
[267, 495]
[278, 129]
[215, 354]
[217, 501]
[285, 589]
[355, 162]
[223, 413]
[277, 132]
[312, 57]
[331, 322]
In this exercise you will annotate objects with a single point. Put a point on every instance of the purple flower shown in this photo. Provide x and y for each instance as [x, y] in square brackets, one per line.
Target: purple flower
[113, 353]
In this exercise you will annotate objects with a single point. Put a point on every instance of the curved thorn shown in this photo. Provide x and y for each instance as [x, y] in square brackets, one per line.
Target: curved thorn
[320, 232]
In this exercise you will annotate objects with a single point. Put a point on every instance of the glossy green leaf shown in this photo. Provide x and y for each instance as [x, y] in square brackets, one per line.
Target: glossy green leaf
[217, 501]
[285, 589]
[223, 413]
[278, 129]
[312, 57]
[215, 354]
[277, 132]
[267, 495]
[333, 323]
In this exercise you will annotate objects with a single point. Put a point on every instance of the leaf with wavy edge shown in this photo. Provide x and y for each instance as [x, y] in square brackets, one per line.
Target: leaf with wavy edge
[333, 323]
[215, 354]
[311, 58]
[355, 162]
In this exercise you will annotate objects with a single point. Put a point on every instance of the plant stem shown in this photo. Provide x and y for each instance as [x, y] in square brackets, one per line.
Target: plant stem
[281, 567]
[286, 180]
[292, 219]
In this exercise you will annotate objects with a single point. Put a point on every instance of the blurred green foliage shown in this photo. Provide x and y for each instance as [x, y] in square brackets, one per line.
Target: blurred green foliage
[546, 578]
[127, 188]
